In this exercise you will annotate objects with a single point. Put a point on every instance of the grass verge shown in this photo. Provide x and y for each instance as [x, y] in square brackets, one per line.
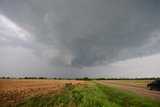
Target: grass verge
[91, 94]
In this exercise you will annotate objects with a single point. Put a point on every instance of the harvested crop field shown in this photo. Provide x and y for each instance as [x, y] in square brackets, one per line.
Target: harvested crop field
[133, 83]
[13, 91]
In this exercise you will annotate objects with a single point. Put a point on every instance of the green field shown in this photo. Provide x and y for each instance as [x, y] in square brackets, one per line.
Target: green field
[91, 94]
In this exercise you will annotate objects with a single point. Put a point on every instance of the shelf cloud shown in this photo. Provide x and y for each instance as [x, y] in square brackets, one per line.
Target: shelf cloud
[82, 33]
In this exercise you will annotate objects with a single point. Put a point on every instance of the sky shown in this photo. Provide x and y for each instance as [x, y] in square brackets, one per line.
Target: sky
[79, 38]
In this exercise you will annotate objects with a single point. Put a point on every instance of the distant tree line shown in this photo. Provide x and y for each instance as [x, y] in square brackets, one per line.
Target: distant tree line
[4, 77]
[33, 78]
[86, 78]
[41, 78]
[152, 78]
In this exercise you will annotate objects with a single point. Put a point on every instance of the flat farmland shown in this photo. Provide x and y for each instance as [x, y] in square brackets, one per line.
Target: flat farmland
[13, 91]
[76, 93]
[138, 87]
[133, 83]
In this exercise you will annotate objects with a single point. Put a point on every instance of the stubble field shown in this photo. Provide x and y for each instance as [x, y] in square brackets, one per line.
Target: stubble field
[13, 91]
[132, 83]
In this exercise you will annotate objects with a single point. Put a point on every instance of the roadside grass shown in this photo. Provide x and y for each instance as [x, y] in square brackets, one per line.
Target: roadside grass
[127, 99]
[91, 94]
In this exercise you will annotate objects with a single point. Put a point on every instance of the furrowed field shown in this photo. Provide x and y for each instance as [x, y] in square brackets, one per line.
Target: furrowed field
[71, 93]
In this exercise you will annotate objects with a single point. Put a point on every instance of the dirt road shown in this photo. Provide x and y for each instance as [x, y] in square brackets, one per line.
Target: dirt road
[136, 90]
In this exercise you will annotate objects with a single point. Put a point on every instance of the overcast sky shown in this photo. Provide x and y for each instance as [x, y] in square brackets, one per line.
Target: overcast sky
[77, 38]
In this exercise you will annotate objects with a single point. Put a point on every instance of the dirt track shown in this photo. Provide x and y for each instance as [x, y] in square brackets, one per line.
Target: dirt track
[136, 90]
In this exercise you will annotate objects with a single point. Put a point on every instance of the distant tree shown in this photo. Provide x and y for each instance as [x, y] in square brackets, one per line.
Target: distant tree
[25, 77]
[41, 78]
[85, 78]
[101, 79]
[78, 78]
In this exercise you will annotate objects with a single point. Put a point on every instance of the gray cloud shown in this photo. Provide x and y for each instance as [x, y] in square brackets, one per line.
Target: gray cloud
[87, 32]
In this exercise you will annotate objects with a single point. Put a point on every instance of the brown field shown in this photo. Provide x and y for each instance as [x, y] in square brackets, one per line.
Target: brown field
[13, 91]
[134, 83]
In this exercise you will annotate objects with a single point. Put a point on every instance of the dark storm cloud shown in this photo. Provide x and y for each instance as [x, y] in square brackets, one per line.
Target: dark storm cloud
[91, 32]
